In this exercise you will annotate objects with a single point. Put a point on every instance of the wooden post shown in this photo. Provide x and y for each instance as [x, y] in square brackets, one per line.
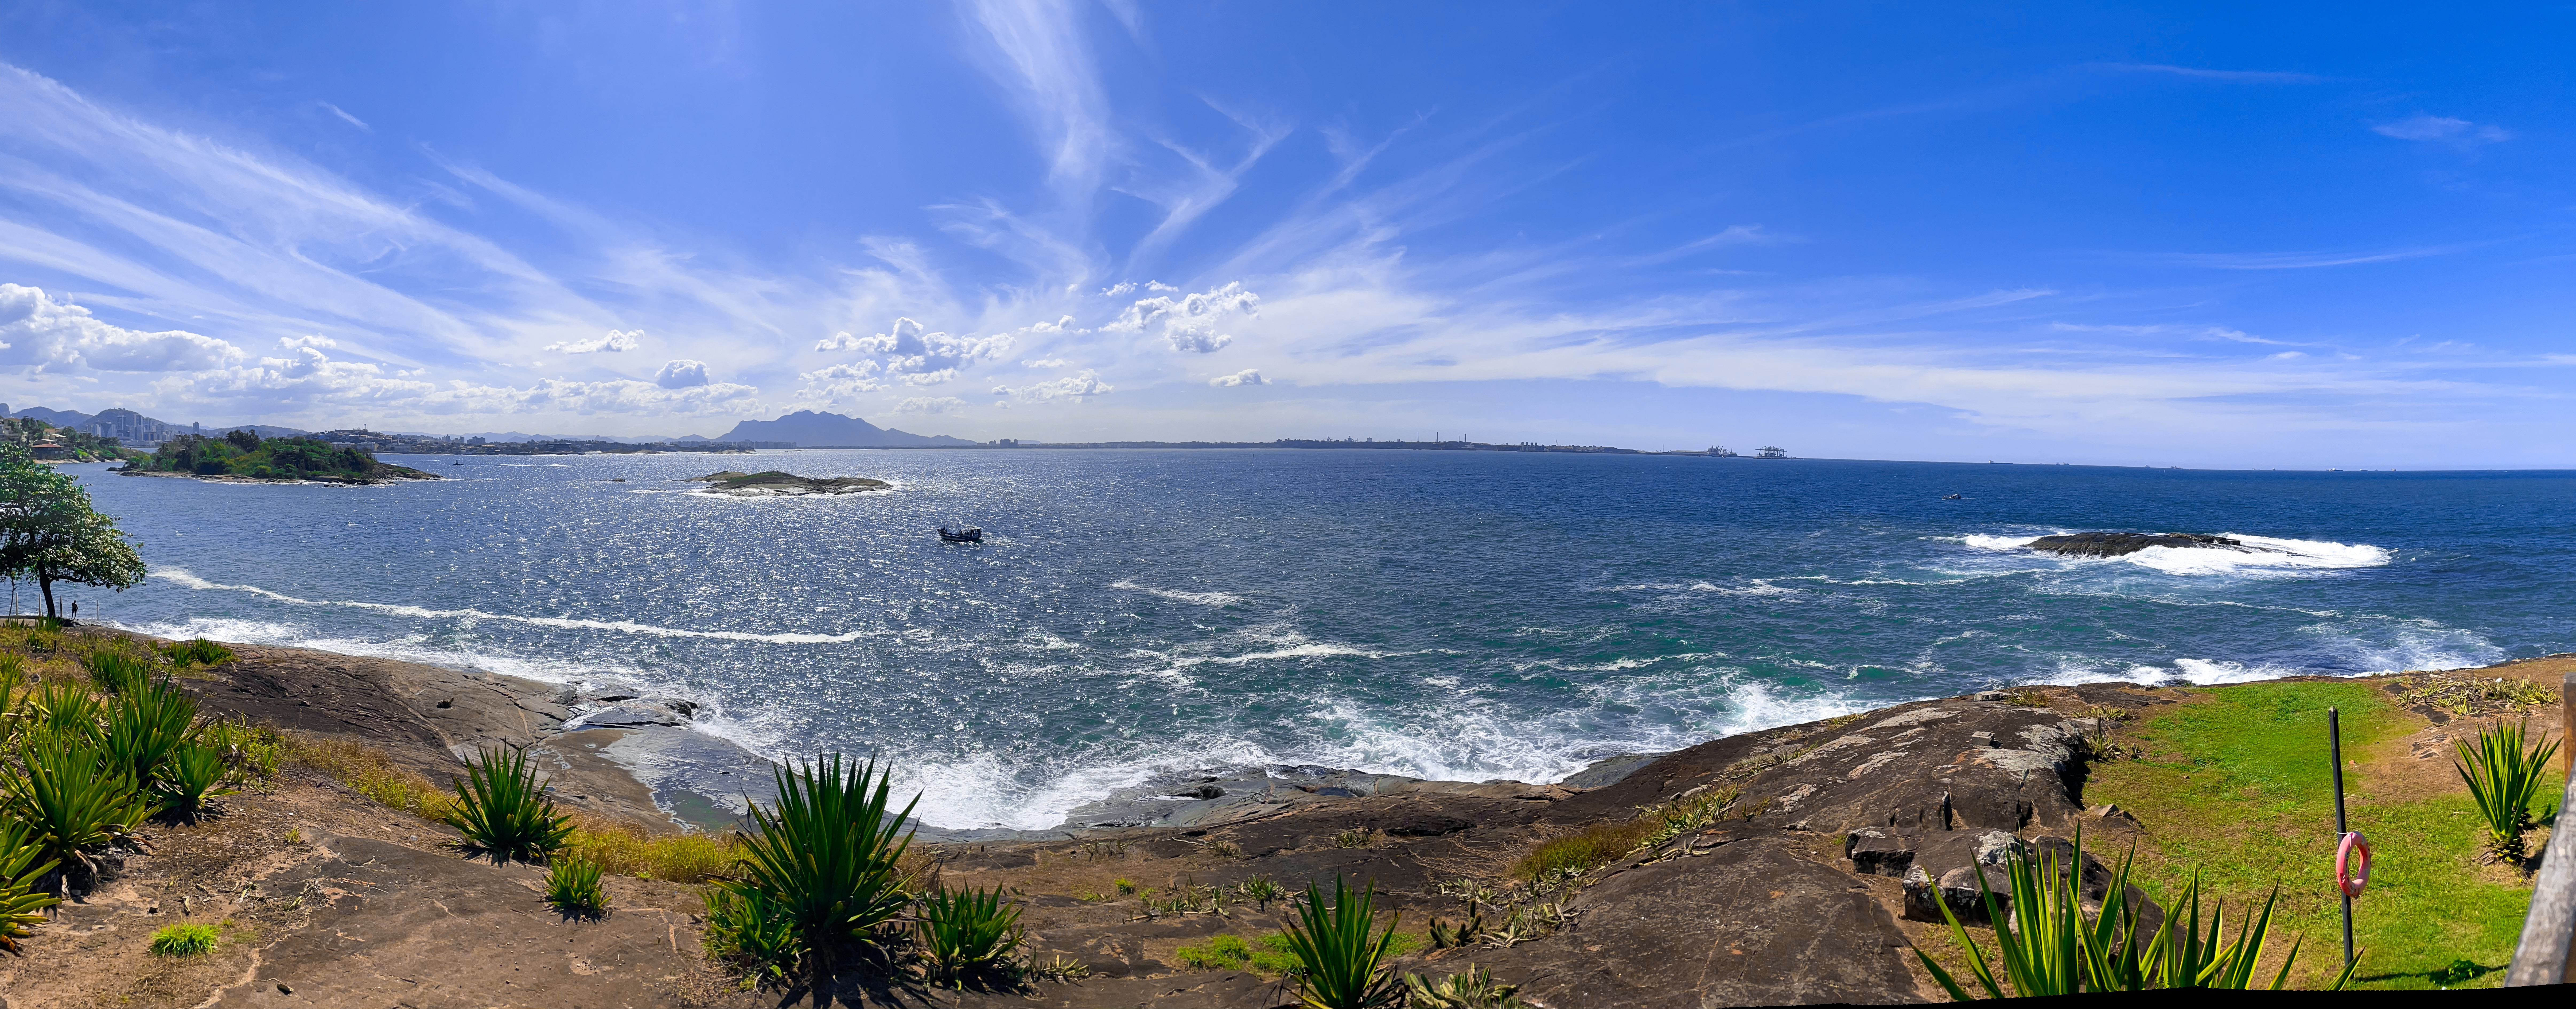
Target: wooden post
[2567, 725]
[2541, 955]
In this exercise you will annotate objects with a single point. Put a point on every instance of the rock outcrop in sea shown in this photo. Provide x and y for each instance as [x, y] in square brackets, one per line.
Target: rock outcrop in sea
[776, 483]
[2121, 544]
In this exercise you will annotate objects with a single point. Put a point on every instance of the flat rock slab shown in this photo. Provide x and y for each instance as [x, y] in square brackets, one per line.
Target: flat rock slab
[394, 925]
[1747, 923]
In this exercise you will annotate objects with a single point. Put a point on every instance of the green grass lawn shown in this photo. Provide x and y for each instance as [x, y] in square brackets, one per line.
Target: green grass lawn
[2238, 785]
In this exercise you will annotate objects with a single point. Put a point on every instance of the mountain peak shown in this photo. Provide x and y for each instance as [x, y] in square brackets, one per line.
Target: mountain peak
[815, 429]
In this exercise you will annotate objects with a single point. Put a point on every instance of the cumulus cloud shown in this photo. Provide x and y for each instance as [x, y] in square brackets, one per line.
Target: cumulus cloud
[309, 377]
[619, 396]
[1189, 323]
[1248, 376]
[1076, 386]
[2425, 127]
[616, 342]
[1129, 287]
[299, 342]
[909, 350]
[929, 404]
[1047, 362]
[681, 374]
[35, 331]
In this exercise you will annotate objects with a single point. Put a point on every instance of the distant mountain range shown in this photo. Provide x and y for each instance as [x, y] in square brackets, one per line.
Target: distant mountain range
[806, 428]
[132, 427]
[809, 429]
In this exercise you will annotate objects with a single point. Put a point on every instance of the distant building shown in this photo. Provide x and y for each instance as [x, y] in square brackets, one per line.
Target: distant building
[50, 450]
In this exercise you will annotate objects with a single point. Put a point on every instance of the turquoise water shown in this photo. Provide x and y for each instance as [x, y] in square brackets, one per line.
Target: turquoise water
[1450, 615]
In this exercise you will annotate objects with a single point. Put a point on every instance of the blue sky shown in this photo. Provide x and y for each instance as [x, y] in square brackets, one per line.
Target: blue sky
[2282, 236]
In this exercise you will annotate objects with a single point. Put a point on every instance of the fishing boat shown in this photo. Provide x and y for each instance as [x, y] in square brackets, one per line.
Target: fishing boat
[962, 535]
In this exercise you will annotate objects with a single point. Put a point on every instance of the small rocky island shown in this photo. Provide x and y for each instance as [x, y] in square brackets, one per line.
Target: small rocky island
[2120, 544]
[244, 457]
[776, 483]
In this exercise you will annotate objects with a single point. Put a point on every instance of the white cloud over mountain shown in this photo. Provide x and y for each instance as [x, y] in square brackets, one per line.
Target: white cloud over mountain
[616, 341]
[36, 331]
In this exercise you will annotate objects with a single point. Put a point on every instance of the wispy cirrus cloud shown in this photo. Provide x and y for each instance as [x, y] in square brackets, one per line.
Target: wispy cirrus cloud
[2212, 74]
[2426, 128]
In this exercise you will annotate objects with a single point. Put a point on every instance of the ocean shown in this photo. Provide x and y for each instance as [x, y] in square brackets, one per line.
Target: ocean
[1455, 615]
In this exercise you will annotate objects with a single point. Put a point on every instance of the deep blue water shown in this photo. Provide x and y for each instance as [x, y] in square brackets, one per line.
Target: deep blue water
[1452, 615]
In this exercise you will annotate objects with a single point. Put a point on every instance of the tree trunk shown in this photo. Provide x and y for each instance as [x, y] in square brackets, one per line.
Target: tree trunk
[45, 577]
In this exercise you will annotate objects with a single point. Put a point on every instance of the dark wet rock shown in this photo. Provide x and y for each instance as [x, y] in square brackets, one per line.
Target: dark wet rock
[1608, 770]
[1875, 852]
[2119, 544]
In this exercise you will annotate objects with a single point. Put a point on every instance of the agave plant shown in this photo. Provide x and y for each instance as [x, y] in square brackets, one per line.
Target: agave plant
[967, 931]
[71, 797]
[746, 929]
[22, 866]
[191, 775]
[145, 726]
[2047, 946]
[1342, 953]
[824, 861]
[572, 886]
[504, 811]
[1472, 988]
[67, 708]
[2503, 778]
[117, 672]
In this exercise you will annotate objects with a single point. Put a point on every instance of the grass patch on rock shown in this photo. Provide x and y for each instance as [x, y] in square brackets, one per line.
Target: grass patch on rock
[2237, 782]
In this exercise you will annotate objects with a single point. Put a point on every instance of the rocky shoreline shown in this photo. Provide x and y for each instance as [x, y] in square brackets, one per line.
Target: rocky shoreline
[1820, 858]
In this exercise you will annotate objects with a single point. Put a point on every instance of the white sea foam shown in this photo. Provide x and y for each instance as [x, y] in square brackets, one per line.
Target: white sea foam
[2273, 557]
[1176, 595]
[2278, 556]
[183, 577]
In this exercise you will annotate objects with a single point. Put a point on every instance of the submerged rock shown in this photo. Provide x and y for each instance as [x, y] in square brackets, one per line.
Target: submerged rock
[775, 483]
[2118, 544]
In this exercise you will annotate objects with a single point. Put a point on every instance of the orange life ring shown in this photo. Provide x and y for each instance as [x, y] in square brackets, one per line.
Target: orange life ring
[2352, 864]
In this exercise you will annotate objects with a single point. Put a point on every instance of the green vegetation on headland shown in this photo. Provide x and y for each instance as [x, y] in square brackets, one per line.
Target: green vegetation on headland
[243, 455]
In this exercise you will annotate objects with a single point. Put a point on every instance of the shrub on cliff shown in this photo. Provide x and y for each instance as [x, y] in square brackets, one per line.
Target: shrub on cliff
[2049, 947]
[968, 932]
[572, 886]
[22, 867]
[71, 796]
[1341, 955]
[2504, 777]
[503, 809]
[820, 873]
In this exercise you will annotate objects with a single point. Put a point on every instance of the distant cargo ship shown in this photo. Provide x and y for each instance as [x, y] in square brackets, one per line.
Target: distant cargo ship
[1722, 451]
[1772, 452]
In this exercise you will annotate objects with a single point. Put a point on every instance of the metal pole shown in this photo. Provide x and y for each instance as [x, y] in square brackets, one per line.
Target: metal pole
[2334, 749]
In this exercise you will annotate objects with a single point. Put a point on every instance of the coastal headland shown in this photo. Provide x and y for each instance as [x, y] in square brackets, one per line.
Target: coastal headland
[1792, 865]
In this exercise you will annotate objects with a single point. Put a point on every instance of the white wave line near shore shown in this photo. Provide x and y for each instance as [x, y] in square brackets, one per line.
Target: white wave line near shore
[1176, 595]
[183, 577]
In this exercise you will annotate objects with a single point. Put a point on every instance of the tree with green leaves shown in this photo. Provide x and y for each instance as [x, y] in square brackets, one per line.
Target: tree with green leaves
[49, 532]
